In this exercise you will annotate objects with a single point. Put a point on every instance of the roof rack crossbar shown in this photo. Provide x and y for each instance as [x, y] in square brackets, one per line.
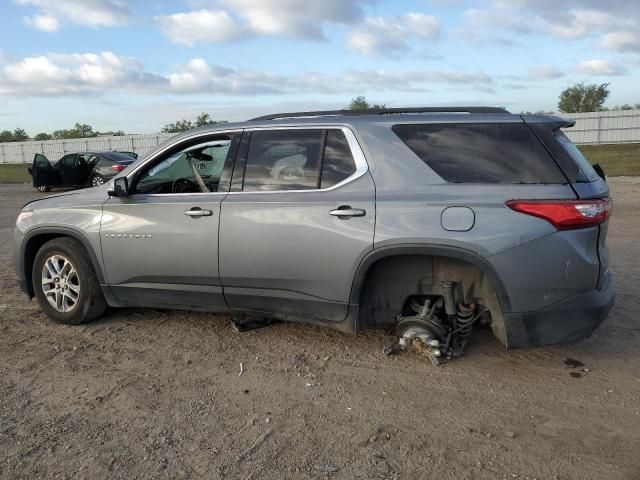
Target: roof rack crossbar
[382, 111]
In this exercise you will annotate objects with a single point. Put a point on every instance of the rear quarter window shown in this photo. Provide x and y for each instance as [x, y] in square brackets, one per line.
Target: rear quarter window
[481, 152]
[577, 156]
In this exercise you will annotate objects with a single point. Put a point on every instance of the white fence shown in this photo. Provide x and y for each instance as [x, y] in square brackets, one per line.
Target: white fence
[595, 128]
[590, 129]
[23, 152]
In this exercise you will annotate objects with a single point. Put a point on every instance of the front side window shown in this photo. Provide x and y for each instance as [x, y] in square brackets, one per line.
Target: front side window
[194, 169]
[481, 152]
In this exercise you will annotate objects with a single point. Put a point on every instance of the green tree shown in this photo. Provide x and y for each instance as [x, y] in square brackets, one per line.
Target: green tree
[20, 135]
[177, 127]
[360, 103]
[6, 136]
[84, 130]
[43, 136]
[202, 120]
[79, 130]
[583, 98]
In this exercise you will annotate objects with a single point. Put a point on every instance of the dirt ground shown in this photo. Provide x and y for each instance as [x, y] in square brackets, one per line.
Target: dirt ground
[157, 394]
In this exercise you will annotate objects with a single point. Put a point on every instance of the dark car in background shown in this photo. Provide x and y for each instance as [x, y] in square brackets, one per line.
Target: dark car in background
[79, 169]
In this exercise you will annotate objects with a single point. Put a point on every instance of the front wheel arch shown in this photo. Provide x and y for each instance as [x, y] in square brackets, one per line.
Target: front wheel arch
[35, 239]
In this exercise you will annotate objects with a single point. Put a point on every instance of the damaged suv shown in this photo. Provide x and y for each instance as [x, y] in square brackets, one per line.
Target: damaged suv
[432, 220]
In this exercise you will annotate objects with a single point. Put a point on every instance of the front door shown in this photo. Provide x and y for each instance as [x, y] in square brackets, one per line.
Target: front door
[160, 244]
[72, 170]
[42, 172]
[301, 218]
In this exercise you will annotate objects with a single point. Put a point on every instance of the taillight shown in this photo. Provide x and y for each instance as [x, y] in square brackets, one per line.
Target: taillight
[566, 214]
[118, 168]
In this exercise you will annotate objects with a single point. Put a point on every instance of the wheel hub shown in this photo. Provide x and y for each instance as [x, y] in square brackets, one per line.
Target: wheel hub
[60, 283]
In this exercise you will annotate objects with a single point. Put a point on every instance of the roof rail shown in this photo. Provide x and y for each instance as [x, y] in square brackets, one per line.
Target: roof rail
[382, 111]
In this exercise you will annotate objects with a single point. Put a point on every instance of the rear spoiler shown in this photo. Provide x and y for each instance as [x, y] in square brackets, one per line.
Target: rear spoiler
[553, 122]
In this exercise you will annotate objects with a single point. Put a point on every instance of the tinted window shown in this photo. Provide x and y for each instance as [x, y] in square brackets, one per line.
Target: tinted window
[481, 153]
[69, 161]
[577, 156]
[337, 163]
[283, 160]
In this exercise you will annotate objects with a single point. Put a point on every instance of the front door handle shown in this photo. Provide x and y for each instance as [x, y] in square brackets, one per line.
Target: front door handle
[345, 211]
[197, 212]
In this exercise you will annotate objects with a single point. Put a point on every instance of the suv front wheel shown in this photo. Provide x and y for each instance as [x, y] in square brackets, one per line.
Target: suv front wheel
[65, 283]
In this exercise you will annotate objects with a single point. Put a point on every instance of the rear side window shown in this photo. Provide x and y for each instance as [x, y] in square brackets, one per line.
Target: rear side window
[337, 163]
[283, 160]
[481, 152]
[297, 160]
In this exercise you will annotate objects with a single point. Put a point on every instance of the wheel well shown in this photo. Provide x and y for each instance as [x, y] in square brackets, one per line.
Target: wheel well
[390, 281]
[32, 245]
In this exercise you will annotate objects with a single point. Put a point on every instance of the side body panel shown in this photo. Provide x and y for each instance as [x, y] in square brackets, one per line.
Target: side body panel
[156, 254]
[284, 252]
[410, 199]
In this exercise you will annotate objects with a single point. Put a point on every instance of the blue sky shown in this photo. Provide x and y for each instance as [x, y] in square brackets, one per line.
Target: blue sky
[137, 65]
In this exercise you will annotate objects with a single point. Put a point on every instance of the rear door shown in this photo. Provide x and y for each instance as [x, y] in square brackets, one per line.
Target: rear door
[299, 217]
[43, 173]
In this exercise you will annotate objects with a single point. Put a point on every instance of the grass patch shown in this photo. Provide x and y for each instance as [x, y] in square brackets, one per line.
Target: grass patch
[616, 160]
[14, 173]
[621, 159]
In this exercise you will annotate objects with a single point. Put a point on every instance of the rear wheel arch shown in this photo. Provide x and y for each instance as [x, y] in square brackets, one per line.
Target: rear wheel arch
[388, 273]
[35, 239]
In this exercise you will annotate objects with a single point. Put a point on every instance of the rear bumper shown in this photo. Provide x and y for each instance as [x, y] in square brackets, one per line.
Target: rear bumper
[566, 321]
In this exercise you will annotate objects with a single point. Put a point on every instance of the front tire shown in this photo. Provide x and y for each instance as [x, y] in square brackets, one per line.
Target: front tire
[43, 189]
[97, 180]
[65, 283]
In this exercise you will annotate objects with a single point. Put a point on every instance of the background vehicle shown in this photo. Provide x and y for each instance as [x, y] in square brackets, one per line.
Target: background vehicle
[78, 169]
[430, 219]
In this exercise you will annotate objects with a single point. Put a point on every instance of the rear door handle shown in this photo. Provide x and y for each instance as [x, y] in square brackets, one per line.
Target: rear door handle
[345, 211]
[197, 212]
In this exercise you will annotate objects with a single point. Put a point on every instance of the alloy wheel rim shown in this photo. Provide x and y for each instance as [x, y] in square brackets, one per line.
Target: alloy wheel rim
[60, 283]
[97, 181]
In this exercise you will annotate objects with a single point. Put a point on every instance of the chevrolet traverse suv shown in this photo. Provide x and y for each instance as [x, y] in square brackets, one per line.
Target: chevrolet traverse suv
[431, 220]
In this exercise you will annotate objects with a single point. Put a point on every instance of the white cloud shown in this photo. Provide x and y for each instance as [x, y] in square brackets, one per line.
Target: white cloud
[545, 72]
[600, 67]
[44, 23]
[610, 21]
[91, 13]
[242, 18]
[75, 73]
[621, 41]
[198, 26]
[391, 35]
[90, 73]
[579, 23]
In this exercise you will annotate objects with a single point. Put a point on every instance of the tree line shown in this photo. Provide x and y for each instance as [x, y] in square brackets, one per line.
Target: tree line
[579, 97]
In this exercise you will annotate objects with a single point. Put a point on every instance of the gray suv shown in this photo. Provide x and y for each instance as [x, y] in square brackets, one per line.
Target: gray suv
[426, 220]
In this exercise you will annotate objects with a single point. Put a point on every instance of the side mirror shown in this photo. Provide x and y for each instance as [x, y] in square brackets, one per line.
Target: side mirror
[120, 188]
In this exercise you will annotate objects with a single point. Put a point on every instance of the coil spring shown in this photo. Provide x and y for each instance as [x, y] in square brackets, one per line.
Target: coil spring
[465, 317]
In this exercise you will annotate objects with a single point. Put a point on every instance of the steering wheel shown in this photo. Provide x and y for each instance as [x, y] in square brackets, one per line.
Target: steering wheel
[290, 173]
[183, 185]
